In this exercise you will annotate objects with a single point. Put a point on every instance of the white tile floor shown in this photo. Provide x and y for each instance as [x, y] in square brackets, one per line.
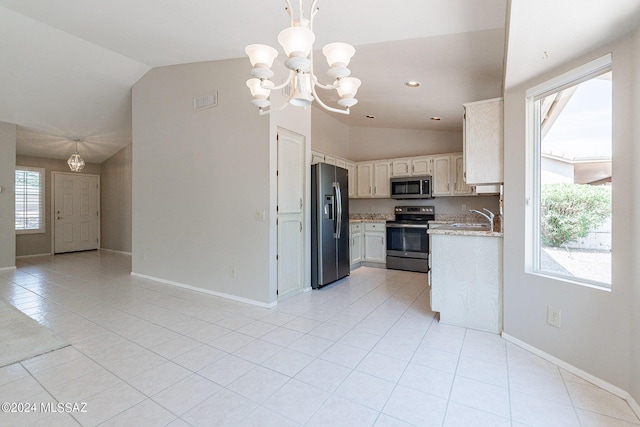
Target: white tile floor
[364, 352]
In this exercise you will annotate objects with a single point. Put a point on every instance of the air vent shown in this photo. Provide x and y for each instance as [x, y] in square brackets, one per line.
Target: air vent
[205, 101]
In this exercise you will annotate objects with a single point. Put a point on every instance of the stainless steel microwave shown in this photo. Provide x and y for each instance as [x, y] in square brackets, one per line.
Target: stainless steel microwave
[411, 187]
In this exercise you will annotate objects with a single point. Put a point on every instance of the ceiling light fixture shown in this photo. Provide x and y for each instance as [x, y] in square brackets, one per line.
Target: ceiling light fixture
[75, 162]
[297, 42]
[412, 83]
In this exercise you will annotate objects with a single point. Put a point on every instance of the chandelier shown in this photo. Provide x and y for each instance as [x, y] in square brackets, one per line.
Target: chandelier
[75, 162]
[297, 43]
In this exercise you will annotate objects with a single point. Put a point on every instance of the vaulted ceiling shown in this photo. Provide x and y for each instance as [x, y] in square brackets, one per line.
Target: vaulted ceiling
[68, 66]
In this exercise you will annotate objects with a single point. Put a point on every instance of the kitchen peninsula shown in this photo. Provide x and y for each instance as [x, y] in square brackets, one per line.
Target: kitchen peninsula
[466, 274]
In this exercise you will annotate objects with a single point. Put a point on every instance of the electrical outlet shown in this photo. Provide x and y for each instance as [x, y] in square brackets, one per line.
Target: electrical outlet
[260, 215]
[463, 207]
[232, 272]
[553, 316]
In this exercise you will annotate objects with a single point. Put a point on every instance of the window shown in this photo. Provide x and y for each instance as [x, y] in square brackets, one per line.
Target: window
[29, 200]
[570, 185]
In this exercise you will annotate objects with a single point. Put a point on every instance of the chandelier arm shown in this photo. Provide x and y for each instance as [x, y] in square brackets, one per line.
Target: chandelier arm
[288, 9]
[264, 112]
[325, 87]
[325, 106]
[312, 14]
[301, 16]
[286, 82]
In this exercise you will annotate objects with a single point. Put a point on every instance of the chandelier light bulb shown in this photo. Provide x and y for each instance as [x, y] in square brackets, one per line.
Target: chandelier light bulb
[348, 87]
[260, 92]
[338, 54]
[296, 41]
[259, 88]
[261, 54]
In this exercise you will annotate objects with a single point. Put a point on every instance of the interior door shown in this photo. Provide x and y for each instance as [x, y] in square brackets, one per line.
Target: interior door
[291, 167]
[76, 212]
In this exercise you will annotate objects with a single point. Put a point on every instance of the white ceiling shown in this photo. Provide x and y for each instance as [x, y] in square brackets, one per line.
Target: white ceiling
[543, 34]
[67, 66]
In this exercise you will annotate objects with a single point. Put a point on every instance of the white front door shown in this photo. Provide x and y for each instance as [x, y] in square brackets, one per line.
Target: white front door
[76, 214]
[291, 167]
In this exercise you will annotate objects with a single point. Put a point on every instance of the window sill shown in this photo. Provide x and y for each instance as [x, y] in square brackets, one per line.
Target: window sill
[606, 287]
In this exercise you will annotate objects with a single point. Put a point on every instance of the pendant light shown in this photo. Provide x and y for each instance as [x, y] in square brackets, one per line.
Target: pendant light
[75, 162]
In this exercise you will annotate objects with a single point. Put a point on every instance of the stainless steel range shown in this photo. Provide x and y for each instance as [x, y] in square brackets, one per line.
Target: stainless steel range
[407, 239]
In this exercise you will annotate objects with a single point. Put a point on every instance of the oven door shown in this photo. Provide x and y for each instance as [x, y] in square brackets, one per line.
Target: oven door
[407, 240]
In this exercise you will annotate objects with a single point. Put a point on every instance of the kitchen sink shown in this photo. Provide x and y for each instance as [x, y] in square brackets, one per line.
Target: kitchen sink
[470, 225]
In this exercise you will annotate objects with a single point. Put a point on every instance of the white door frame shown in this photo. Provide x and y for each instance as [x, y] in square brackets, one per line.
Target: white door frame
[53, 205]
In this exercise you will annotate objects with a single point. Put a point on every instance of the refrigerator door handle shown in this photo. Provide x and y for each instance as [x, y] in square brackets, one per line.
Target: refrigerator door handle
[336, 186]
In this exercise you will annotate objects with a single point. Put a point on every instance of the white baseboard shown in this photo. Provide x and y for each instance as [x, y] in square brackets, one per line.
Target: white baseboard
[34, 255]
[7, 269]
[115, 251]
[577, 372]
[207, 291]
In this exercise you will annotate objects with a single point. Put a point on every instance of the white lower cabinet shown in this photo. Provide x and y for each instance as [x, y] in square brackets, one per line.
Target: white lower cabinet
[355, 243]
[466, 280]
[368, 243]
[375, 242]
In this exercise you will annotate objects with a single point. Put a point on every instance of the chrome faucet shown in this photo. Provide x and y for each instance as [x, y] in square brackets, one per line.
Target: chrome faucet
[489, 217]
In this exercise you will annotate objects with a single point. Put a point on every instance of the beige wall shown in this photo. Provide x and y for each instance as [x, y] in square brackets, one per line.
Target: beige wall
[329, 134]
[382, 143]
[40, 243]
[115, 201]
[7, 195]
[198, 179]
[634, 113]
[598, 333]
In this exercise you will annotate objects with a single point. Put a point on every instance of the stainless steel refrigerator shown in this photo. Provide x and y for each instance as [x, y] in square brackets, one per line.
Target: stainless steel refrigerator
[329, 224]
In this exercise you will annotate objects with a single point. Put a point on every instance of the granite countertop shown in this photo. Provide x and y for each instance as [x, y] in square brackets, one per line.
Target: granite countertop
[442, 225]
[370, 217]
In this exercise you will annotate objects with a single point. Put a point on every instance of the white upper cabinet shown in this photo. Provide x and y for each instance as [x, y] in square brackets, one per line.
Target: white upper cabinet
[364, 179]
[374, 179]
[351, 168]
[316, 157]
[411, 166]
[401, 167]
[483, 142]
[460, 188]
[329, 159]
[422, 165]
[441, 175]
[381, 179]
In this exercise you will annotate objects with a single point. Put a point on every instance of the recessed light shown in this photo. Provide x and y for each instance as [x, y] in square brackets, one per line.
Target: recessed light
[436, 118]
[369, 116]
[412, 83]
